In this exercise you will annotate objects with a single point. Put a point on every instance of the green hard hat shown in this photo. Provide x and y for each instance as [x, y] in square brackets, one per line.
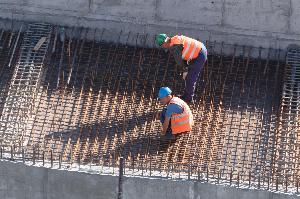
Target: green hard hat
[160, 39]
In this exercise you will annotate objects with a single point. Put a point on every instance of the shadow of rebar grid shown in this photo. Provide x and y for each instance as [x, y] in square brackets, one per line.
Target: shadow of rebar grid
[94, 102]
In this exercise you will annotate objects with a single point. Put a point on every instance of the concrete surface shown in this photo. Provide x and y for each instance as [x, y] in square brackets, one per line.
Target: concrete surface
[137, 188]
[266, 23]
[19, 181]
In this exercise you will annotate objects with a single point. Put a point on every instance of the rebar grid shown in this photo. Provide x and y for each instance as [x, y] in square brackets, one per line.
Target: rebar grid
[96, 103]
[24, 84]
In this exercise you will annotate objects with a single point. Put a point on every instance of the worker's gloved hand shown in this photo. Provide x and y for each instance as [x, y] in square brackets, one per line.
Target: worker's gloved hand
[184, 74]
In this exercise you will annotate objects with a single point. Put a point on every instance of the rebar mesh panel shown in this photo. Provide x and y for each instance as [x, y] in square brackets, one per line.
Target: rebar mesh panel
[23, 85]
[97, 102]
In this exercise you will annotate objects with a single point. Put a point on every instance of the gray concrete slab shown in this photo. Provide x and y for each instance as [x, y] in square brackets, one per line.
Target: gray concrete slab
[257, 23]
[25, 182]
[136, 188]
[19, 181]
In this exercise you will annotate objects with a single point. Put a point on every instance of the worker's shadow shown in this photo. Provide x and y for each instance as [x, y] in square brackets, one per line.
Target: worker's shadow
[144, 146]
[117, 143]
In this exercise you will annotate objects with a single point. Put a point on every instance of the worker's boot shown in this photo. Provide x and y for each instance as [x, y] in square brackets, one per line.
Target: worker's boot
[181, 96]
[188, 101]
[170, 136]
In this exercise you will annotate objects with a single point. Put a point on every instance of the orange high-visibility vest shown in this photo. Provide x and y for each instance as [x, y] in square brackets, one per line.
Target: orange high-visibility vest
[184, 121]
[191, 47]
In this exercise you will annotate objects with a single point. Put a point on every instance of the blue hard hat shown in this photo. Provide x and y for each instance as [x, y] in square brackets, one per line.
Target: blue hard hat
[164, 92]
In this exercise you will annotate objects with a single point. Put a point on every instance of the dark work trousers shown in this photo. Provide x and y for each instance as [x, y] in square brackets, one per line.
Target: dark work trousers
[194, 71]
[162, 120]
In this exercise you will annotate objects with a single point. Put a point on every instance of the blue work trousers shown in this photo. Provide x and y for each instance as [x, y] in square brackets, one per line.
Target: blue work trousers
[194, 71]
[162, 120]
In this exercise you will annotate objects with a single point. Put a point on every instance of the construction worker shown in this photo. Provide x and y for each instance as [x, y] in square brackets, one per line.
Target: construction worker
[176, 117]
[190, 54]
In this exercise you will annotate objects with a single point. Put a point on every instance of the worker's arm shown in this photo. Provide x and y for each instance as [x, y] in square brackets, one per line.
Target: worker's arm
[165, 125]
[176, 50]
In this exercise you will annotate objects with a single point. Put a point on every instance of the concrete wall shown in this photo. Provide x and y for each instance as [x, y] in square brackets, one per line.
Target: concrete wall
[266, 23]
[18, 181]
[137, 188]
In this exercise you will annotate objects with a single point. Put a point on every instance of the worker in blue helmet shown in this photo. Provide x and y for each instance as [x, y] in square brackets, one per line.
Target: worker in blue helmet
[176, 117]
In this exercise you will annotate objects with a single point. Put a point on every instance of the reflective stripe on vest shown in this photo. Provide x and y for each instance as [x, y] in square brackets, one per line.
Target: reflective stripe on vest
[180, 115]
[184, 121]
[191, 48]
[181, 123]
[186, 47]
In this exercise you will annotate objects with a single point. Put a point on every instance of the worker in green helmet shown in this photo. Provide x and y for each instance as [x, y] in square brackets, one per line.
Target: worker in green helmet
[188, 53]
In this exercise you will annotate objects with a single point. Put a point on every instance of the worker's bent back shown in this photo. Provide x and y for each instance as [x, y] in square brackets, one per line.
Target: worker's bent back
[182, 122]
